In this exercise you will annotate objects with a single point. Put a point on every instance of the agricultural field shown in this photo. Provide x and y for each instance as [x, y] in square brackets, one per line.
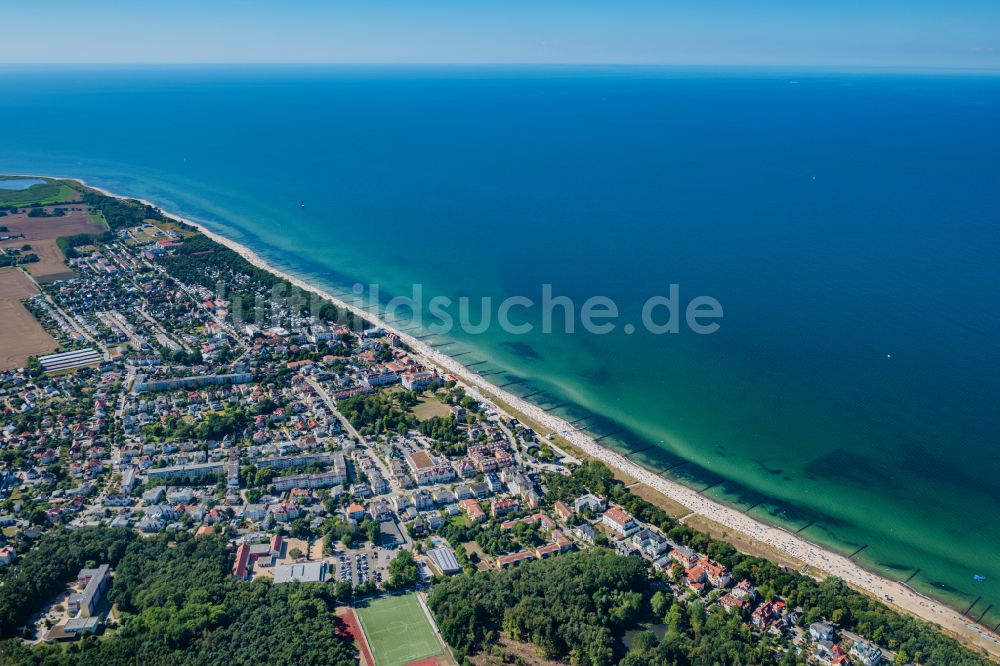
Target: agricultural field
[41, 234]
[20, 332]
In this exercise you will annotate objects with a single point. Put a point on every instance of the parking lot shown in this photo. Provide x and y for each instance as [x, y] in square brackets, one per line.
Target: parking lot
[360, 565]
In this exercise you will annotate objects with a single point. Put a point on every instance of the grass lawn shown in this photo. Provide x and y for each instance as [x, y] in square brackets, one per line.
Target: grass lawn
[173, 226]
[398, 630]
[459, 519]
[46, 193]
[96, 218]
[428, 407]
[158, 229]
[473, 548]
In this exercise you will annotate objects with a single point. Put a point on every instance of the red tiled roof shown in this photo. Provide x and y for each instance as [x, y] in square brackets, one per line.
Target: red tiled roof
[618, 516]
[242, 558]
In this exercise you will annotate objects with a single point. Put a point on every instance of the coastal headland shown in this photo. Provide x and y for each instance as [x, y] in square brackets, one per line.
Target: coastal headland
[720, 520]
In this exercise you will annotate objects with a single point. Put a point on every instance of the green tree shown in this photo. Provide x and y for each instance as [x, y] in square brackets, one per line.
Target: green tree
[402, 571]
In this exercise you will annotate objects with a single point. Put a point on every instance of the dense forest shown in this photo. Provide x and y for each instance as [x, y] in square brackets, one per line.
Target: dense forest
[179, 606]
[571, 606]
[121, 213]
[46, 569]
[446, 435]
[576, 607]
[380, 413]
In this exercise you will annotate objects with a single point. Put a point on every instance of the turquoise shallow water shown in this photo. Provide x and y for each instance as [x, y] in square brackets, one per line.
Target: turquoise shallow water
[847, 222]
[19, 183]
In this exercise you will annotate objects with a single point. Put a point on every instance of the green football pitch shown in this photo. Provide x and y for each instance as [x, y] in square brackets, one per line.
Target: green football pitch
[397, 630]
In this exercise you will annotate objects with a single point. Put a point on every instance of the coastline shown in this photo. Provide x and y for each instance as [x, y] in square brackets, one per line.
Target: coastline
[782, 543]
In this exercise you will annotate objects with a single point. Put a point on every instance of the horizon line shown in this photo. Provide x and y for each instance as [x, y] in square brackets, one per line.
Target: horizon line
[247, 63]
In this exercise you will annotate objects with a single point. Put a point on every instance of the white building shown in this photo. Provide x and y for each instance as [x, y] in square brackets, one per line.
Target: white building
[619, 521]
[588, 501]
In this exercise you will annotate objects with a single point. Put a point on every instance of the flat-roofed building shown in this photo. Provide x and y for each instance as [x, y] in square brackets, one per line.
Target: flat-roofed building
[443, 561]
[81, 625]
[128, 480]
[196, 381]
[69, 360]
[305, 572]
[426, 470]
[94, 581]
[196, 469]
[309, 481]
[281, 462]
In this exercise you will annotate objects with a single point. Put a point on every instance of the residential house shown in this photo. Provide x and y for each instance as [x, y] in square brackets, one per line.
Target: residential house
[684, 556]
[443, 497]
[585, 532]
[821, 631]
[381, 511]
[619, 521]
[500, 507]
[355, 512]
[472, 510]
[866, 653]
[824, 652]
[649, 542]
[740, 597]
[593, 503]
[285, 512]
[255, 512]
[718, 575]
[506, 561]
[766, 614]
[562, 510]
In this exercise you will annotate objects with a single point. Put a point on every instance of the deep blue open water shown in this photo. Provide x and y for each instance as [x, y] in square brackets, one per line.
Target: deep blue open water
[846, 221]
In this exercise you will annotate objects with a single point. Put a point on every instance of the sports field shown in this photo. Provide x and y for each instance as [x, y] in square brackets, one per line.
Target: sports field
[397, 630]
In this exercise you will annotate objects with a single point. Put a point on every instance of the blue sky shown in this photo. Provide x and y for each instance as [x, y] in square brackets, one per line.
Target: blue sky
[947, 33]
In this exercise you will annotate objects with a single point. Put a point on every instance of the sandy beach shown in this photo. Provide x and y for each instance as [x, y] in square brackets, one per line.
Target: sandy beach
[777, 539]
